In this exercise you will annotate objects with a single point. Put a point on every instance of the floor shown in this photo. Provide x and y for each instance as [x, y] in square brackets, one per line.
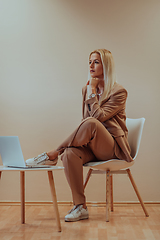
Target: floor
[127, 222]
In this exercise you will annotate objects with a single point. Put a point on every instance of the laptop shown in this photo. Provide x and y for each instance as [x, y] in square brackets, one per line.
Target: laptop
[11, 153]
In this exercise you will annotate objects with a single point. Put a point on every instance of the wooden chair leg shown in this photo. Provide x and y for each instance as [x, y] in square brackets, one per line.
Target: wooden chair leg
[111, 184]
[137, 192]
[54, 199]
[107, 194]
[22, 187]
[87, 177]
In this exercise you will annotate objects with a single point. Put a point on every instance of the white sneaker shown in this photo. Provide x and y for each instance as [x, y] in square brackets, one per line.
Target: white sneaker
[77, 213]
[41, 159]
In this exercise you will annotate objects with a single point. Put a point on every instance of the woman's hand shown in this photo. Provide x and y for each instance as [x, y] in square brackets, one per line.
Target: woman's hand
[91, 86]
[94, 83]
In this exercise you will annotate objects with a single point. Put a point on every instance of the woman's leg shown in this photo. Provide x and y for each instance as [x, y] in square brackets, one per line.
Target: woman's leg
[73, 160]
[89, 142]
[52, 154]
[91, 133]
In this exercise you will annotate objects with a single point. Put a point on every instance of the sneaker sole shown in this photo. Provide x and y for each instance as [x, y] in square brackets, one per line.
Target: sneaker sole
[76, 219]
[47, 162]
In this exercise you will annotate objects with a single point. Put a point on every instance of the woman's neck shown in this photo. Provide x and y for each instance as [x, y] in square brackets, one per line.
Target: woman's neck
[100, 87]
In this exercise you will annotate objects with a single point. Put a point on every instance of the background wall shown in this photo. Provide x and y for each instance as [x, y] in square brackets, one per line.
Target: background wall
[44, 48]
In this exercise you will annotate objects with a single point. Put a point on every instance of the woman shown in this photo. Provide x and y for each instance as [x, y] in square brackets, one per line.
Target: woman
[102, 134]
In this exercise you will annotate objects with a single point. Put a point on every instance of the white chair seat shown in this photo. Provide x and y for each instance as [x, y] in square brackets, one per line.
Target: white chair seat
[112, 165]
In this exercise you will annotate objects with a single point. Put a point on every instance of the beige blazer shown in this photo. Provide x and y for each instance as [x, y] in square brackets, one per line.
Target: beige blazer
[111, 113]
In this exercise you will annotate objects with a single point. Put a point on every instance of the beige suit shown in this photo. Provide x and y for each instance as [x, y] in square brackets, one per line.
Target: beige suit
[101, 135]
[111, 113]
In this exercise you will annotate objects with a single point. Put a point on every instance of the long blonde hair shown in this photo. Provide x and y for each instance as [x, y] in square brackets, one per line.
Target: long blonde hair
[108, 71]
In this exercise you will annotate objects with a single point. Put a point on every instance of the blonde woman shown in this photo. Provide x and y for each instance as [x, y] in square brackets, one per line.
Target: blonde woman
[102, 134]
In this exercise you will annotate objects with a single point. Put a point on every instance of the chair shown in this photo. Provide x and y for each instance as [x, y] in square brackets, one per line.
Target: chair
[115, 166]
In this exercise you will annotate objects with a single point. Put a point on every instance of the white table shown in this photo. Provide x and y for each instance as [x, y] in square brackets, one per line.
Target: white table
[22, 188]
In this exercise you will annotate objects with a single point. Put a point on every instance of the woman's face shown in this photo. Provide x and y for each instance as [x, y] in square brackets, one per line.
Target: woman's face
[96, 67]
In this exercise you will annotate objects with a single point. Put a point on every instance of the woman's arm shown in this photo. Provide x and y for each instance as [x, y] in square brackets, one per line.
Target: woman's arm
[91, 87]
[108, 109]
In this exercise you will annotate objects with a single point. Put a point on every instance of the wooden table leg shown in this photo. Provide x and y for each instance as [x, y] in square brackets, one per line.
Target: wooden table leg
[111, 183]
[22, 186]
[0, 174]
[107, 194]
[54, 199]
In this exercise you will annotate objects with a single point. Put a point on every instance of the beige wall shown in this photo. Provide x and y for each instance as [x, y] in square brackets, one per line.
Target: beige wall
[44, 48]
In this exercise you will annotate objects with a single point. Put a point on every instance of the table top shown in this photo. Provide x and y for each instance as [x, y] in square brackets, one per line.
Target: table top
[51, 168]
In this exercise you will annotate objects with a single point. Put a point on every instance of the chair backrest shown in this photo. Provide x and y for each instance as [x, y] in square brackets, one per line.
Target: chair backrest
[135, 128]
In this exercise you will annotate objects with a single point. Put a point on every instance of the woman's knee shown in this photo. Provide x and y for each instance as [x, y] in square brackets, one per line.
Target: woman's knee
[66, 155]
[69, 155]
[89, 121]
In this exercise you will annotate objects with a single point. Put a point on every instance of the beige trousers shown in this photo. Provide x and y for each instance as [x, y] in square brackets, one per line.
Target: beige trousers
[91, 141]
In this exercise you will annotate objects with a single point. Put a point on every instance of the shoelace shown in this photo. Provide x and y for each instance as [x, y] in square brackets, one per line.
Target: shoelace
[74, 208]
[39, 158]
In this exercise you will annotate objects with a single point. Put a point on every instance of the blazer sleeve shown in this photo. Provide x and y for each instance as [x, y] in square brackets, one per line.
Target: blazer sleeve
[109, 108]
